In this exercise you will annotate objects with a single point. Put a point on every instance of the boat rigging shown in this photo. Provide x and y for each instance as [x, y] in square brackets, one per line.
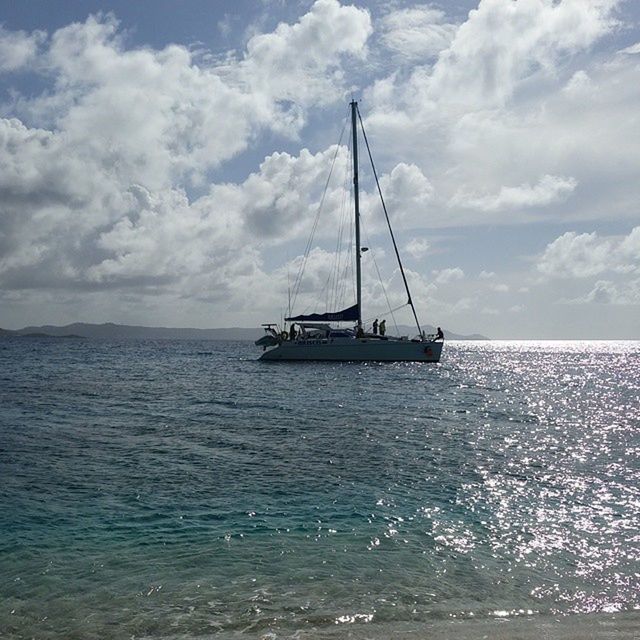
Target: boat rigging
[317, 338]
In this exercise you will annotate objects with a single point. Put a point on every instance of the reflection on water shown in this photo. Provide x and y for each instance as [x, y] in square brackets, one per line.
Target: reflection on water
[183, 489]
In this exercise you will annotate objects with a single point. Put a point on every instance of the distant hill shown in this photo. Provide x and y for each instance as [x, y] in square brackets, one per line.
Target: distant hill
[109, 330]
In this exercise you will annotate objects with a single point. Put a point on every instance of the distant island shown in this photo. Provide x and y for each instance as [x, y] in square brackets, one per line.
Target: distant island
[109, 330]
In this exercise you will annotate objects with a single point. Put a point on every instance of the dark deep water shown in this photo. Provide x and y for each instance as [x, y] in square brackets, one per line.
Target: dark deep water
[182, 489]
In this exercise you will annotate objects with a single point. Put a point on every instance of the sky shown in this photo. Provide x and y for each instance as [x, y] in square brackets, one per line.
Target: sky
[163, 163]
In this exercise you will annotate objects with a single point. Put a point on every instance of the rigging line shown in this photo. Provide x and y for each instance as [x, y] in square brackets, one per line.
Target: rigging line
[340, 250]
[384, 290]
[331, 301]
[307, 250]
[335, 270]
[391, 311]
[328, 289]
[348, 276]
[298, 280]
[331, 282]
[386, 215]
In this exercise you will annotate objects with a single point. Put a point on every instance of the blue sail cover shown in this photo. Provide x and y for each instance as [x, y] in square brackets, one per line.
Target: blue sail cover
[346, 315]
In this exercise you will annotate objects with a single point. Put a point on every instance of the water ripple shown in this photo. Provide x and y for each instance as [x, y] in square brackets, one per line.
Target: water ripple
[182, 489]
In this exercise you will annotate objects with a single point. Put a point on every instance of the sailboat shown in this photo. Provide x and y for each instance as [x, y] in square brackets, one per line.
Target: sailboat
[320, 336]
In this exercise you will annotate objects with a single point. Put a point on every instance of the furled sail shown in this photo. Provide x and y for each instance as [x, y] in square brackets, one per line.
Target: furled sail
[346, 315]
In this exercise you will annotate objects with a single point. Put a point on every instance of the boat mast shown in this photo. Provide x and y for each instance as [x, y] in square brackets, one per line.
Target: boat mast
[356, 200]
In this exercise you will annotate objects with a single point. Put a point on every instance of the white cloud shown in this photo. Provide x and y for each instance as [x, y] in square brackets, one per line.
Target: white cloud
[583, 255]
[494, 121]
[97, 198]
[417, 248]
[302, 62]
[499, 47]
[549, 189]
[607, 292]
[281, 200]
[157, 115]
[407, 194]
[504, 43]
[225, 25]
[630, 247]
[515, 114]
[18, 48]
[632, 50]
[448, 275]
[417, 32]
[573, 259]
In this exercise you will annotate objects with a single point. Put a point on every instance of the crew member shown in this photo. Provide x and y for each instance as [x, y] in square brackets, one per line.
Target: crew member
[383, 327]
[375, 327]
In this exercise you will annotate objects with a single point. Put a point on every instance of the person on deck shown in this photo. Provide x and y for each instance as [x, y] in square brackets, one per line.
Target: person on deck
[383, 327]
[375, 327]
[292, 332]
[439, 334]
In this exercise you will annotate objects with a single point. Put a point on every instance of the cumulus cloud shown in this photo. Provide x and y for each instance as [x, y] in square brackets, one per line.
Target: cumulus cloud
[511, 115]
[416, 33]
[609, 265]
[574, 255]
[549, 189]
[504, 43]
[507, 122]
[18, 48]
[499, 47]
[632, 50]
[629, 248]
[96, 197]
[283, 197]
[301, 62]
[137, 238]
[407, 194]
[158, 115]
[417, 248]
[448, 275]
[607, 292]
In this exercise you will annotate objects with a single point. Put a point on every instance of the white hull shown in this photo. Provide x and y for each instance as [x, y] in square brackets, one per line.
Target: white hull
[356, 350]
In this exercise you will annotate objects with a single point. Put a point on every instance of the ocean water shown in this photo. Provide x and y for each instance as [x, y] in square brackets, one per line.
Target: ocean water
[182, 489]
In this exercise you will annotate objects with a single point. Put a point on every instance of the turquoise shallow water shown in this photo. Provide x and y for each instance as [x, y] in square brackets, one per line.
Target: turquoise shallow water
[182, 489]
